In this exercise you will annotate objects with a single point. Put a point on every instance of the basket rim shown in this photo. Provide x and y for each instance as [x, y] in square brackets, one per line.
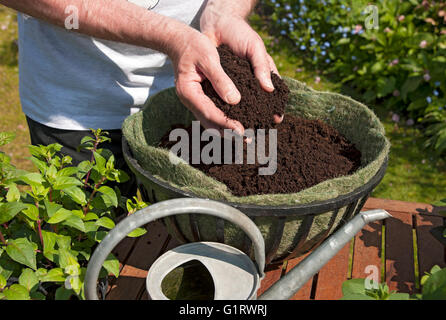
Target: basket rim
[312, 208]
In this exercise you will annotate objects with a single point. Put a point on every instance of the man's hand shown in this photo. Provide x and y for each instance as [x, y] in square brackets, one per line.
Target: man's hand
[195, 58]
[228, 27]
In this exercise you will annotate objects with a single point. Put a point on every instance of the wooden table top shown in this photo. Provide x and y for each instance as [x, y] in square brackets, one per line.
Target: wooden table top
[386, 246]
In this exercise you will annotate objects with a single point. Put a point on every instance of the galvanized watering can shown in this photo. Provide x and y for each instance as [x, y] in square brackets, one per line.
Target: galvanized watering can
[235, 275]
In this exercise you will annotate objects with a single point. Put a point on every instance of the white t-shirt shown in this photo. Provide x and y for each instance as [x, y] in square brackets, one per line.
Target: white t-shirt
[75, 82]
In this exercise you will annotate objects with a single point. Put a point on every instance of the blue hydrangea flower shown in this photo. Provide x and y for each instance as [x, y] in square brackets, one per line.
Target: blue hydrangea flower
[436, 93]
[429, 100]
[287, 7]
[327, 60]
[327, 44]
[303, 47]
[282, 32]
[344, 35]
[342, 6]
[323, 53]
[354, 58]
[322, 35]
[437, 83]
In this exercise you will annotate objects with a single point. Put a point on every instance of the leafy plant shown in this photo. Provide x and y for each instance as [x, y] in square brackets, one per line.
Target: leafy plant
[51, 220]
[440, 208]
[433, 288]
[399, 64]
[356, 289]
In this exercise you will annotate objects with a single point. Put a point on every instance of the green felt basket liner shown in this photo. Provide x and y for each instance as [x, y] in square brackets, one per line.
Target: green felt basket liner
[289, 234]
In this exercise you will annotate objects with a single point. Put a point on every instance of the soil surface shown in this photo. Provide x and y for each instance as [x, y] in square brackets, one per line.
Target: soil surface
[308, 151]
[257, 107]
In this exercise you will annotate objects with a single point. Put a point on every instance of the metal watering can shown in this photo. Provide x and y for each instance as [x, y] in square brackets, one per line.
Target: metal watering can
[235, 275]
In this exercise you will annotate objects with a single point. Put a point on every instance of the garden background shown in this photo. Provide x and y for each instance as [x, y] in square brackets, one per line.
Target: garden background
[398, 70]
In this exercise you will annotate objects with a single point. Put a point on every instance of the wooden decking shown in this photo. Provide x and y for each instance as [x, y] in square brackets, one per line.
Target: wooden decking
[400, 248]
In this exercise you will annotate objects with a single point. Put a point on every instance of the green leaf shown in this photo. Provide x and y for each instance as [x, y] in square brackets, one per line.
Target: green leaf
[66, 259]
[68, 171]
[76, 194]
[32, 212]
[54, 275]
[64, 182]
[49, 241]
[90, 216]
[106, 223]
[411, 84]
[6, 137]
[61, 215]
[343, 41]
[22, 251]
[16, 292]
[111, 264]
[100, 161]
[32, 179]
[64, 242]
[137, 232]
[353, 286]
[36, 295]
[2, 282]
[110, 198]
[63, 294]
[75, 222]
[435, 286]
[399, 296]
[100, 235]
[29, 280]
[13, 193]
[377, 67]
[51, 207]
[9, 210]
[357, 296]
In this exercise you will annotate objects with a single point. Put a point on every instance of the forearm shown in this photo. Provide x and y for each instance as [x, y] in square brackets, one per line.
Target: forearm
[117, 20]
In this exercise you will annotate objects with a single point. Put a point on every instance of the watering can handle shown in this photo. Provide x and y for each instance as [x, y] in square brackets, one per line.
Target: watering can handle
[162, 210]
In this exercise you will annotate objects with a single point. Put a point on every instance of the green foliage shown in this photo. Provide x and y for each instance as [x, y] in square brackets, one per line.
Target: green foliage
[434, 288]
[51, 220]
[360, 289]
[399, 65]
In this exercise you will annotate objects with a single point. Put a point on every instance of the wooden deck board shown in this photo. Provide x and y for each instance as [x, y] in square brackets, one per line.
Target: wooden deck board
[134, 272]
[137, 255]
[430, 251]
[400, 273]
[332, 275]
[305, 292]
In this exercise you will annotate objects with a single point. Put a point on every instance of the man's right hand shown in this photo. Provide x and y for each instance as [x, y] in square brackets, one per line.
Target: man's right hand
[195, 58]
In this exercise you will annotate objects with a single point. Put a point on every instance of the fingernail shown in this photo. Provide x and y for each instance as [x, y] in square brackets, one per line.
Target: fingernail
[232, 97]
[269, 83]
[238, 131]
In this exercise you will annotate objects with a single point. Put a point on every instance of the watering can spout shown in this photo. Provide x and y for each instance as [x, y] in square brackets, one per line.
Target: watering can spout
[289, 284]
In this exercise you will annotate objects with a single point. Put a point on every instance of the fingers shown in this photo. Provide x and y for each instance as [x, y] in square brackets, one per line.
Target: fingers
[278, 118]
[272, 65]
[259, 59]
[222, 84]
[211, 117]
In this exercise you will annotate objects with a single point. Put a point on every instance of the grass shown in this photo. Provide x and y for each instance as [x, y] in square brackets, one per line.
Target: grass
[12, 119]
[413, 174]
